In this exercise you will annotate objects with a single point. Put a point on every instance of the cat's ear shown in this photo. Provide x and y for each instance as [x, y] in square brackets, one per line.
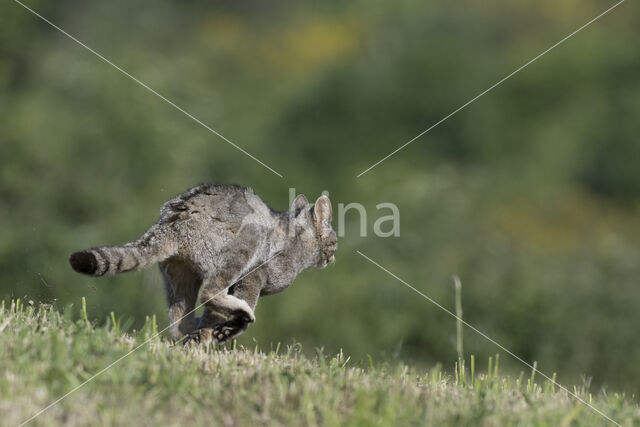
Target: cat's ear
[322, 212]
[298, 204]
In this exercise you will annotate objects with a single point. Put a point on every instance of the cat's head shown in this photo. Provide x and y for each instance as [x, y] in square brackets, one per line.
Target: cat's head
[314, 236]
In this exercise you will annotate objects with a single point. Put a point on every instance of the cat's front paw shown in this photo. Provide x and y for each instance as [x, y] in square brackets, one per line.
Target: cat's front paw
[242, 317]
[239, 308]
[231, 329]
[199, 336]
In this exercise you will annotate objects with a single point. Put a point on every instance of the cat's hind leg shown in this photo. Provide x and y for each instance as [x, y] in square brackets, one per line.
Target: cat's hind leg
[182, 285]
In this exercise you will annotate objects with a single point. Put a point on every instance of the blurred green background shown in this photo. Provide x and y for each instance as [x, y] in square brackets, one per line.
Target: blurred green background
[531, 194]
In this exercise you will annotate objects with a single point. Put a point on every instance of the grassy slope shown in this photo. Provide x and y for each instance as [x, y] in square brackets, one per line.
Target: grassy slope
[44, 354]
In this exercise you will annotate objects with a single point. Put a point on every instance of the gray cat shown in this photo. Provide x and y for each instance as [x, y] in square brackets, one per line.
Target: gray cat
[227, 241]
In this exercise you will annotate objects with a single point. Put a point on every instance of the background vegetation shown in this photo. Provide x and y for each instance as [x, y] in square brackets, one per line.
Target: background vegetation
[531, 195]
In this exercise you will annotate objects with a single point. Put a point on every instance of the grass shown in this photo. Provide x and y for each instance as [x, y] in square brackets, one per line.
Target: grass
[45, 353]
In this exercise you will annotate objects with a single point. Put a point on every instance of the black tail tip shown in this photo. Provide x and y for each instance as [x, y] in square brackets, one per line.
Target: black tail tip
[83, 262]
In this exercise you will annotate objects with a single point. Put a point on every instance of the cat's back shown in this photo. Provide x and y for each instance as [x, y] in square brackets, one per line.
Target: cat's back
[217, 204]
[221, 201]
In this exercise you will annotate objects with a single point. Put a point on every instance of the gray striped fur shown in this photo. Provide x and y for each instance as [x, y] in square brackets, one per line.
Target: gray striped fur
[211, 236]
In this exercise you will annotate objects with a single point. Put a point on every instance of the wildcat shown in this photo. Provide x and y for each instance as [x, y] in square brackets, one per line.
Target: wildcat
[227, 241]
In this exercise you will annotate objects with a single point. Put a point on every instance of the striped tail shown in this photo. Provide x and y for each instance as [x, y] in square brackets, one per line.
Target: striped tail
[110, 260]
